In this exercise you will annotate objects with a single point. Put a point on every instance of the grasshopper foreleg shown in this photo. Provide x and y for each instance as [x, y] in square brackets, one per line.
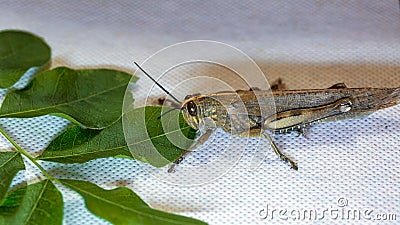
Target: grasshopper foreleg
[203, 138]
[282, 156]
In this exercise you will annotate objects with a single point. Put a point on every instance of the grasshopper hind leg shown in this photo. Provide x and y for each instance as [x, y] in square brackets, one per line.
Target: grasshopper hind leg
[281, 155]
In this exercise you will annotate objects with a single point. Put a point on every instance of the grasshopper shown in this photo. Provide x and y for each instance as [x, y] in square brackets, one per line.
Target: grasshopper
[295, 110]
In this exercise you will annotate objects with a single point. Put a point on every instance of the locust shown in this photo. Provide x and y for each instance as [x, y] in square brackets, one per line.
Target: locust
[257, 113]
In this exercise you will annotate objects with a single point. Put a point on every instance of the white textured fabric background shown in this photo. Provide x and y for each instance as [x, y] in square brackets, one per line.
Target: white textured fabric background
[309, 44]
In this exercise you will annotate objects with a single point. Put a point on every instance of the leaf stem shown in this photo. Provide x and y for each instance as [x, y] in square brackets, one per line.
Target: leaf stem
[23, 152]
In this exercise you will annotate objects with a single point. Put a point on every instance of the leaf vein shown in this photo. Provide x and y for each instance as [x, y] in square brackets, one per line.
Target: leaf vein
[127, 208]
[15, 155]
[64, 103]
[36, 202]
[110, 149]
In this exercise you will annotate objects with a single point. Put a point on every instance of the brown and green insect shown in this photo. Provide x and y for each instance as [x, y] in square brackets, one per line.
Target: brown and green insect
[257, 113]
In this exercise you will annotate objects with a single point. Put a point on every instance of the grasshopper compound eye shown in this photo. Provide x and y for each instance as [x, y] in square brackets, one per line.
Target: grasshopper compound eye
[192, 108]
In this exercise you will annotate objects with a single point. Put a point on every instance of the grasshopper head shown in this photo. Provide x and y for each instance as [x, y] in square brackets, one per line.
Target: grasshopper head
[191, 112]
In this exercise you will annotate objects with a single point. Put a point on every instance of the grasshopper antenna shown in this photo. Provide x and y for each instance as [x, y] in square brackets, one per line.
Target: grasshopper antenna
[157, 83]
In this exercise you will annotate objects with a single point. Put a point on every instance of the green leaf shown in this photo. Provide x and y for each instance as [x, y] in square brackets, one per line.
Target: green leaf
[123, 206]
[154, 140]
[91, 97]
[10, 164]
[37, 203]
[20, 51]
[79, 145]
